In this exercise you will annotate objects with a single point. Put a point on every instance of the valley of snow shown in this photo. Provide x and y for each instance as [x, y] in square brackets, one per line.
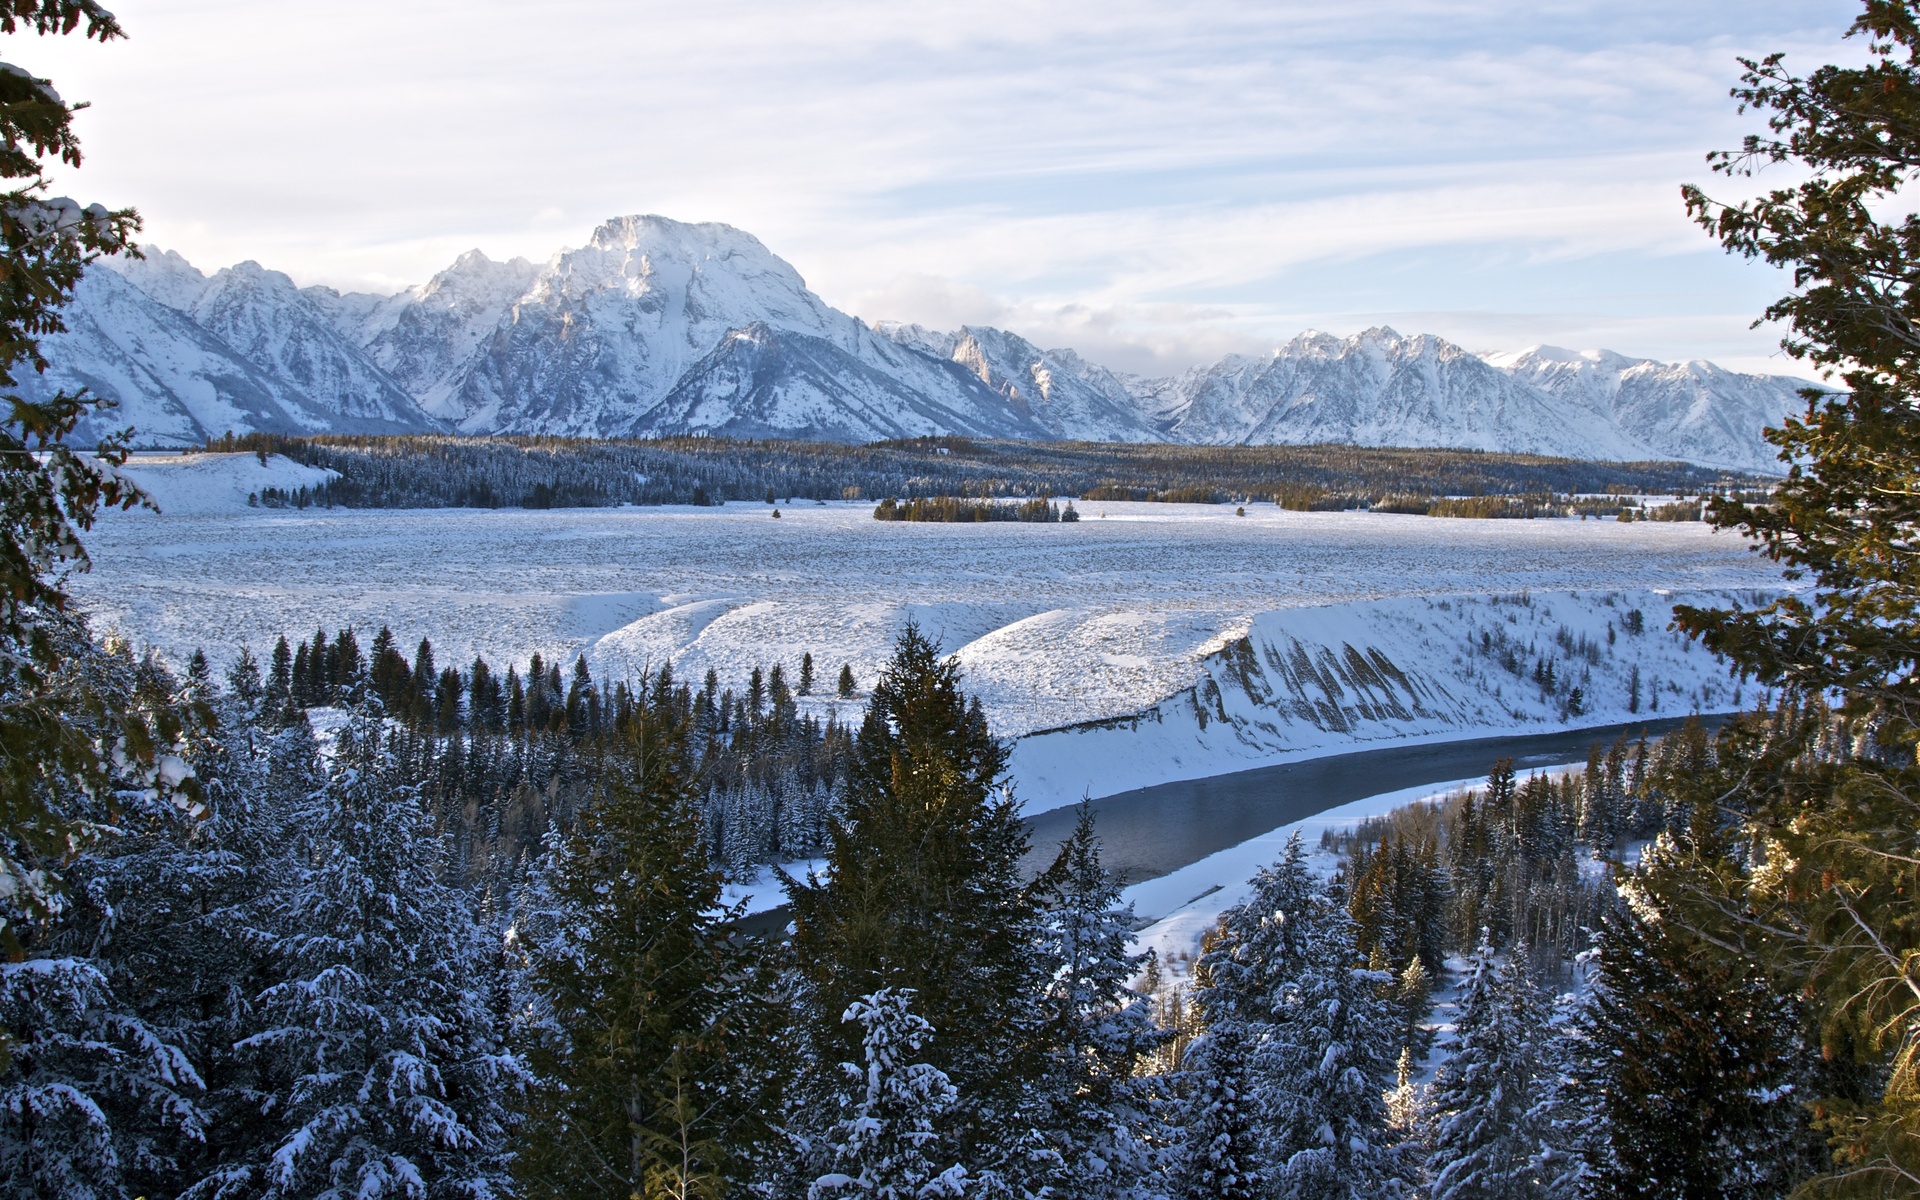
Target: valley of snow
[1181, 640]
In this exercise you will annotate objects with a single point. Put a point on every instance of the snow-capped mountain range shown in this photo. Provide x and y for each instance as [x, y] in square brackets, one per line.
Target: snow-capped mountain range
[657, 327]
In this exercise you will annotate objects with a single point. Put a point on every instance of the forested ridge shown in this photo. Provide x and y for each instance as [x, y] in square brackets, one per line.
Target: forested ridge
[496, 472]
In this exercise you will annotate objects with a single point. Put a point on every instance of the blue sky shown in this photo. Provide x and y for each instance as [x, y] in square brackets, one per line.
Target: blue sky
[1152, 183]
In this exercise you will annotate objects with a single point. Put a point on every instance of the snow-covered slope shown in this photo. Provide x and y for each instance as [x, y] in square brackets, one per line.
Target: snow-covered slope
[1325, 679]
[205, 484]
[261, 314]
[426, 338]
[761, 381]
[1694, 410]
[1073, 399]
[171, 379]
[313, 378]
[1381, 389]
[607, 331]
[660, 326]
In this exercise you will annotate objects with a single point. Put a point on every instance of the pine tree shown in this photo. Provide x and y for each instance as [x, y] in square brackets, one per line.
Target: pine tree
[1219, 1151]
[392, 1076]
[1696, 1067]
[92, 1095]
[48, 493]
[98, 1094]
[846, 685]
[1260, 946]
[649, 1019]
[889, 1143]
[1325, 1066]
[1100, 1119]
[1486, 1098]
[806, 672]
[924, 892]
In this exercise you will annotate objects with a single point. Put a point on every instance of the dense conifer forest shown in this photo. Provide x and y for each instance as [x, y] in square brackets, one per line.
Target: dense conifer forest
[497, 472]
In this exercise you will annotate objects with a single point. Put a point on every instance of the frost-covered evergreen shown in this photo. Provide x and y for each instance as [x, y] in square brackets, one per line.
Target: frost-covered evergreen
[93, 1096]
[1487, 1132]
[1098, 1116]
[390, 1077]
[925, 891]
[1260, 945]
[887, 1141]
[1219, 1152]
[1325, 1066]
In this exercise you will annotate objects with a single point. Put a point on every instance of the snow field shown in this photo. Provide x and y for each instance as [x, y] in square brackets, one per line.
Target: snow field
[1137, 609]
[206, 484]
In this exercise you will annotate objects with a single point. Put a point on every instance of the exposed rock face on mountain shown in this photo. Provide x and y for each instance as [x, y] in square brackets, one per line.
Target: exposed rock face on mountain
[1692, 410]
[657, 326]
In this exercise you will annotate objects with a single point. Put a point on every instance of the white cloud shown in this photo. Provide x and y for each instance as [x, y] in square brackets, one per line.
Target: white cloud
[1156, 177]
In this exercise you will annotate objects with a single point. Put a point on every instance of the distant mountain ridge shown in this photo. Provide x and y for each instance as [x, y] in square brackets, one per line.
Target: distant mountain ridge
[661, 327]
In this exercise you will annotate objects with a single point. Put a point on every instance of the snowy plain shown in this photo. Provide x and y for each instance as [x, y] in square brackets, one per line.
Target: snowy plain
[1180, 625]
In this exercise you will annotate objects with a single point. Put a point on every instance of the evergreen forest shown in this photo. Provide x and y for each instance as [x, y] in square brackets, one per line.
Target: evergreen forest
[510, 472]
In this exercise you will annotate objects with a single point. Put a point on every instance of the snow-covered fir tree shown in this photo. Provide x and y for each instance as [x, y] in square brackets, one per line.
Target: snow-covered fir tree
[391, 1079]
[99, 1095]
[888, 1139]
[925, 891]
[1219, 1151]
[1325, 1065]
[1098, 1115]
[1260, 945]
[1485, 1105]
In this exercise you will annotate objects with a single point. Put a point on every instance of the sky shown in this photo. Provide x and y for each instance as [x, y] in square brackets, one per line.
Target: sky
[1152, 183]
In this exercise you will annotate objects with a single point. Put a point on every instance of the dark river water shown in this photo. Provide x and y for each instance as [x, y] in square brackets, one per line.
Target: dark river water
[1151, 831]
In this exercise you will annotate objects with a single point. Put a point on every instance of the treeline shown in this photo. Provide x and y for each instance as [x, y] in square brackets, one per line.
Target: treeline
[499, 759]
[496, 472]
[272, 981]
[954, 509]
[1503, 865]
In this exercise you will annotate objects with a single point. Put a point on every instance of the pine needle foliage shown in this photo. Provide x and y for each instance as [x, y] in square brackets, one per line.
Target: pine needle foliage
[924, 892]
[48, 493]
[648, 1026]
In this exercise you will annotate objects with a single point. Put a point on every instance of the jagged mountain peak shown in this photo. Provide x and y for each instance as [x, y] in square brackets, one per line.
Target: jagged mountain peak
[657, 325]
[163, 275]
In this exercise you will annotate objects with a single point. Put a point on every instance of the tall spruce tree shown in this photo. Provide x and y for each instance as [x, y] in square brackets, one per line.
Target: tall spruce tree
[1487, 1127]
[1098, 1115]
[1325, 1067]
[1219, 1150]
[48, 493]
[1260, 946]
[924, 892]
[390, 1076]
[1832, 910]
[650, 1038]
[1696, 1065]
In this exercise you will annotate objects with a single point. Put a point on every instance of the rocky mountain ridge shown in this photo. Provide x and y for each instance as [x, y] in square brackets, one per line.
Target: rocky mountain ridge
[658, 327]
